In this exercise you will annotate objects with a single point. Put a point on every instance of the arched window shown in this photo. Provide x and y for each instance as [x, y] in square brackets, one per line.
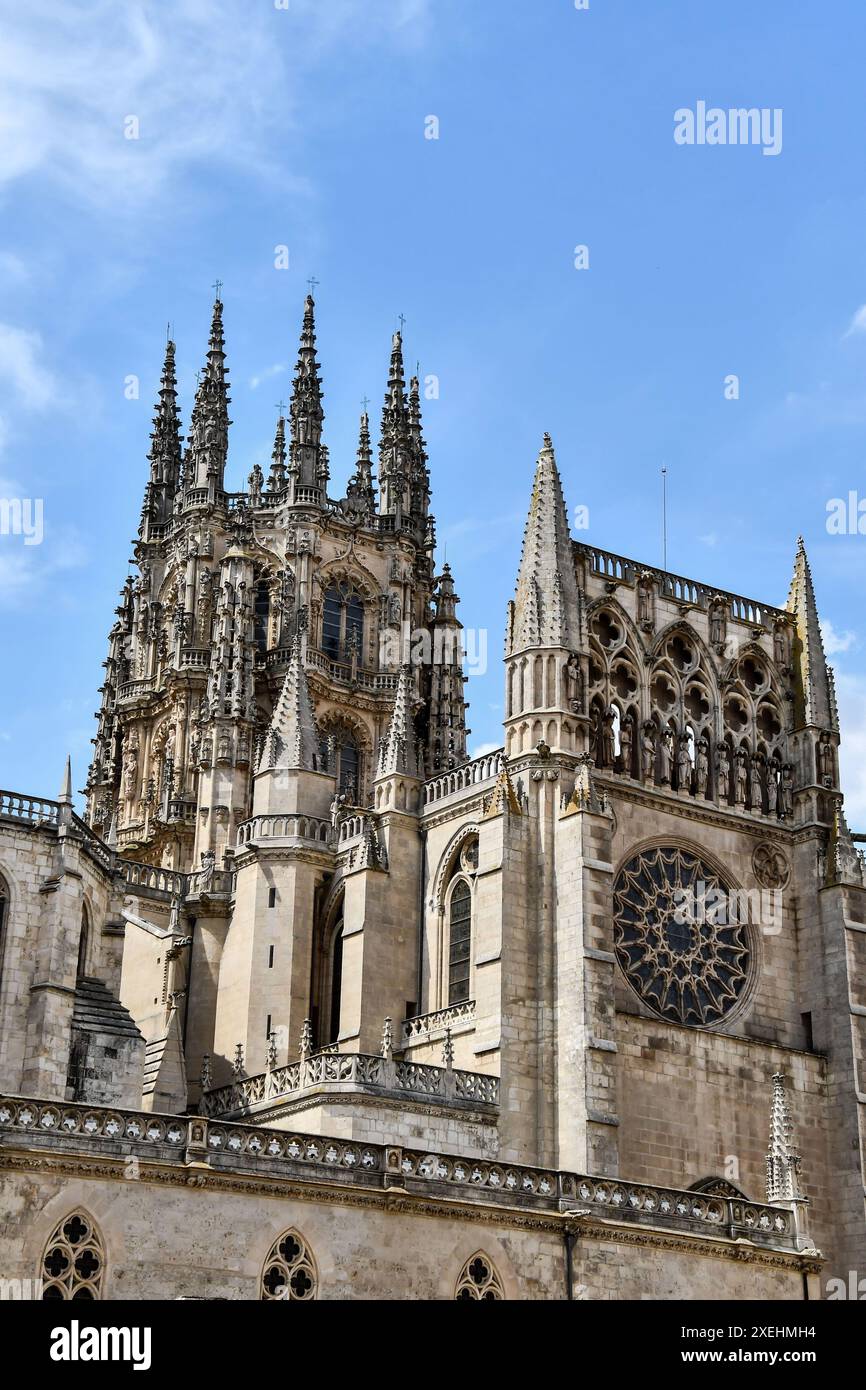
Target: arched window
[479, 1280]
[4, 910]
[338, 752]
[459, 941]
[342, 622]
[289, 1275]
[261, 615]
[336, 982]
[74, 1261]
[83, 945]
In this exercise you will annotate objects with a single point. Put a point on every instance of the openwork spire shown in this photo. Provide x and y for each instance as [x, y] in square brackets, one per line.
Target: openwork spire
[309, 459]
[361, 487]
[165, 437]
[399, 749]
[420, 474]
[546, 612]
[277, 475]
[395, 444]
[292, 740]
[209, 437]
[813, 697]
[783, 1160]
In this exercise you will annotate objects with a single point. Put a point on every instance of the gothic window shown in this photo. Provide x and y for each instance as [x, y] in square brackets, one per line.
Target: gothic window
[342, 622]
[4, 909]
[83, 943]
[679, 936]
[459, 941]
[479, 1280]
[289, 1274]
[261, 615]
[74, 1261]
[336, 982]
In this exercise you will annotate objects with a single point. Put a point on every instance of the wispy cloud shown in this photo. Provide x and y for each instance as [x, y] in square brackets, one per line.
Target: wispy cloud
[267, 373]
[23, 371]
[858, 322]
[836, 642]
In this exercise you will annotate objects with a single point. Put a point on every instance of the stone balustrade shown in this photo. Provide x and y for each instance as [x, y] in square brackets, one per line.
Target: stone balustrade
[94, 1131]
[696, 595]
[351, 1070]
[32, 809]
[284, 827]
[473, 773]
[424, 1026]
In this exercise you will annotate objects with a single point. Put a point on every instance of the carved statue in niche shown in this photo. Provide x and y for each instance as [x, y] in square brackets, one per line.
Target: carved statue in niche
[702, 767]
[684, 764]
[772, 788]
[826, 761]
[757, 781]
[208, 864]
[723, 770]
[645, 600]
[596, 737]
[608, 740]
[668, 757]
[574, 684]
[786, 791]
[130, 771]
[224, 747]
[718, 616]
[648, 750]
[395, 610]
[780, 645]
[625, 744]
[741, 777]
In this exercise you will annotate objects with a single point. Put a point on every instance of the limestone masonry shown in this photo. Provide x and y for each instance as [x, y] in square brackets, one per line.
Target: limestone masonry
[310, 1005]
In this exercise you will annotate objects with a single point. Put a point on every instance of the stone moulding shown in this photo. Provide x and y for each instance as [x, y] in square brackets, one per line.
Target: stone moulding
[194, 1151]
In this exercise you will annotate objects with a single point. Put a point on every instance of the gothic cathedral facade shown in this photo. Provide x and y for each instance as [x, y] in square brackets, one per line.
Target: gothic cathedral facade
[311, 1004]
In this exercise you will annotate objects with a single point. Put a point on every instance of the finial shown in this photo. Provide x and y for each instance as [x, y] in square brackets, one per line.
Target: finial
[783, 1160]
[238, 1071]
[306, 1046]
[388, 1040]
[448, 1050]
[272, 1051]
[217, 288]
[313, 284]
[65, 797]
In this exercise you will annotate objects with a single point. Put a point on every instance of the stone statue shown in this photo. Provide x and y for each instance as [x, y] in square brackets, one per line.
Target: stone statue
[786, 791]
[668, 752]
[684, 764]
[648, 751]
[625, 743]
[208, 864]
[608, 741]
[723, 770]
[702, 767]
[574, 684]
[741, 778]
[772, 788]
[130, 771]
[780, 645]
[757, 782]
[826, 761]
[717, 623]
[645, 599]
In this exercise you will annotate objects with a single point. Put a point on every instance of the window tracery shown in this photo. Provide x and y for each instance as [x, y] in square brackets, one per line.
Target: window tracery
[289, 1274]
[73, 1264]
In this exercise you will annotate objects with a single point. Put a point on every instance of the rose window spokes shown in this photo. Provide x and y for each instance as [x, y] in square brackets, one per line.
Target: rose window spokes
[679, 937]
[289, 1275]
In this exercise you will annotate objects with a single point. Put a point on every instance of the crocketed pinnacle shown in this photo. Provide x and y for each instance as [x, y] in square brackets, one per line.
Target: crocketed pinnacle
[398, 752]
[308, 456]
[208, 442]
[546, 604]
[277, 475]
[783, 1160]
[292, 740]
[813, 698]
[165, 437]
[395, 445]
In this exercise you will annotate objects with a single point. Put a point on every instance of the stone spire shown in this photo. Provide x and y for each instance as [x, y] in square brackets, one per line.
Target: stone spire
[308, 456]
[277, 476]
[446, 707]
[420, 474]
[813, 697]
[208, 443]
[65, 793]
[361, 486]
[783, 1161]
[165, 437]
[546, 609]
[398, 752]
[292, 740]
[395, 444]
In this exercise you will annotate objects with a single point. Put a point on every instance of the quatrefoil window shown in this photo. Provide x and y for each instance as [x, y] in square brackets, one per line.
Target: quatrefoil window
[479, 1281]
[679, 936]
[73, 1263]
[289, 1274]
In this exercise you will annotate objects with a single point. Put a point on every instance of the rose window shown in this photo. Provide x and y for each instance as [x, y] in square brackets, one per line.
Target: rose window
[679, 937]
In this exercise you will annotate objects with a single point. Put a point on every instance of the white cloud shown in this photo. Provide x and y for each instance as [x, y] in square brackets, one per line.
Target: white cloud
[483, 749]
[858, 322]
[22, 369]
[851, 694]
[208, 84]
[256, 381]
[710, 539]
[836, 642]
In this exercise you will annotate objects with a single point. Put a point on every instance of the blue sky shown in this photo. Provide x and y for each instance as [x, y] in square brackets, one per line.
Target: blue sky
[305, 127]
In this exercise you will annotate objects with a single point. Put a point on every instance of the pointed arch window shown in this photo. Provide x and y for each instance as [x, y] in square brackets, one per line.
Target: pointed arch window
[73, 1265]
[289, 1274]
[339, 753]
[336, 982]
[479, 1281]
[83, 944]
[459, 941]
[261, 616]
[342, 622]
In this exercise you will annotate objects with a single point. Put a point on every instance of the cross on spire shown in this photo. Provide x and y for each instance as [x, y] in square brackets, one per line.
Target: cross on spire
[280, 406]
[365, 402]
[402, 321]
[217, 285]
[313, 284]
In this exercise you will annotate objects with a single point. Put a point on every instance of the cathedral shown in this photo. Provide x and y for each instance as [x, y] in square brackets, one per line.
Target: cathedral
[310, 1004]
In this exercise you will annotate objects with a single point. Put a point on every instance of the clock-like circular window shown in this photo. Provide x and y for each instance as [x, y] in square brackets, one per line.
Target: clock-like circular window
[680, 936]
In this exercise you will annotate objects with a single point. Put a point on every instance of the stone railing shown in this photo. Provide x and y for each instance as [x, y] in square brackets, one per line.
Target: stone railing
[135, 690]
[349, 1070]
[483, 769]
[195, 658]
[424, 1026]
[616, 567]
[71, 1128]
[32, 809]
[283, 827]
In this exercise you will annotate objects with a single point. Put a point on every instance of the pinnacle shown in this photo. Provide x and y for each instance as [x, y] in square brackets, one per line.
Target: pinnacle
[292, 739]
[546, 604]
[399, 749]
